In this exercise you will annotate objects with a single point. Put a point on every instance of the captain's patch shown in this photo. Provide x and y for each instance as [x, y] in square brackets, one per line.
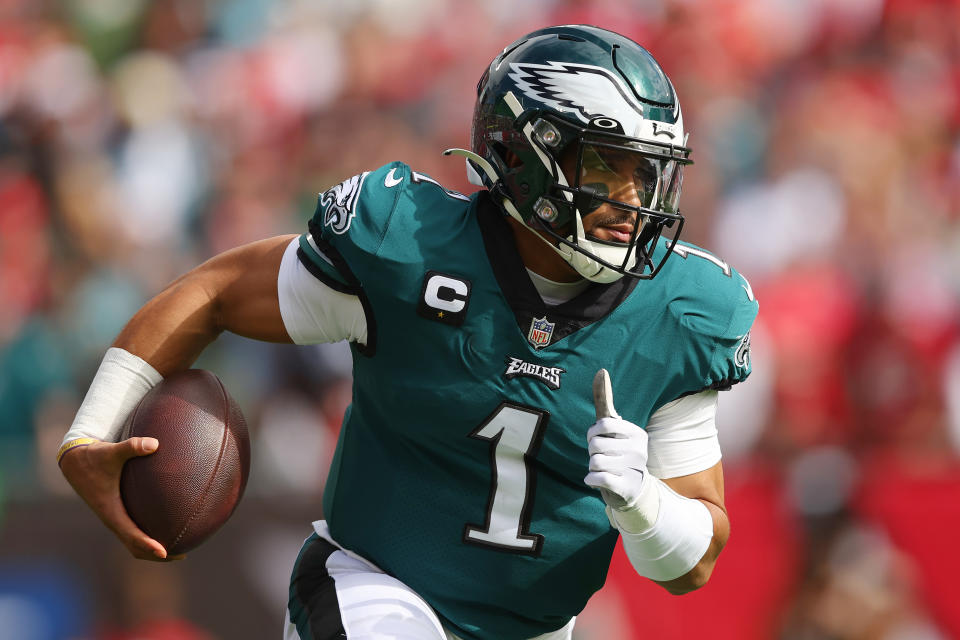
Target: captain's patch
[444, 298]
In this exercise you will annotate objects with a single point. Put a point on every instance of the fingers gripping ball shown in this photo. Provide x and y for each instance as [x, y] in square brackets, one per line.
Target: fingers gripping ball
[181, 494]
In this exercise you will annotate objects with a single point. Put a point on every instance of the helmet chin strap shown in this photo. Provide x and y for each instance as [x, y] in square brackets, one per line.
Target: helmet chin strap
[475, 161]
[586, 266]
[581, 263]
[590, 268]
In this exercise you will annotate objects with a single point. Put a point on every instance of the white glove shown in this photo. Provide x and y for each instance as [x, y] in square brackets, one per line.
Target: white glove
[618, 463]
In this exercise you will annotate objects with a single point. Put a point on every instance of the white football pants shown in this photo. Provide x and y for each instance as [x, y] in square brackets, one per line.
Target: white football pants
[371, 604]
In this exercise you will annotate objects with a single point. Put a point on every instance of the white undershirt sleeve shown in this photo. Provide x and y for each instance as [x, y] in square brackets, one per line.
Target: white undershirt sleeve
[313, 312]
[683, 436]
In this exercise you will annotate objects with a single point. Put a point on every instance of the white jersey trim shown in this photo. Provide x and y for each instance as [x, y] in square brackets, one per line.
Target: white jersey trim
[683, 436]
[313, 312]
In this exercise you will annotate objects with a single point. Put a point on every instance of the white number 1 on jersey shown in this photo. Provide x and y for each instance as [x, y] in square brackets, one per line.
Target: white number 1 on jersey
[514, 432]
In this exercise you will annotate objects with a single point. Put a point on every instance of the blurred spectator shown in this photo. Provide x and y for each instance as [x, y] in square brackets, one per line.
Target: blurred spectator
[862, 587]
[151, 604]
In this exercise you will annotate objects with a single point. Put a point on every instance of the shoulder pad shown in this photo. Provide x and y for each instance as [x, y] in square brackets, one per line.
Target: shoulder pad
[360, 206]
[358, 211]
[350, 217]
[716, 307]
[353, 219]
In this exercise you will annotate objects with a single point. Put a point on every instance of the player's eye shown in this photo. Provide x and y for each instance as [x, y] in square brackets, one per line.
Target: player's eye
[645, 177]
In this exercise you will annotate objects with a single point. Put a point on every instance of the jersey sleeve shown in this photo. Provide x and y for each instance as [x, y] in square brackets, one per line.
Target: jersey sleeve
[715, 313]
[731, 357]
[350, 223]
[347, 229]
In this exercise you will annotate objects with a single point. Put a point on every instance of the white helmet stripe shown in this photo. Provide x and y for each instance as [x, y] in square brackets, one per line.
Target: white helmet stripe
[517, 109]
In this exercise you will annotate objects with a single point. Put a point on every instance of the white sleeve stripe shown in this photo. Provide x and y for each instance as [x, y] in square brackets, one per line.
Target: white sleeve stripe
[312, 311]
[321, 254]
[683, 436]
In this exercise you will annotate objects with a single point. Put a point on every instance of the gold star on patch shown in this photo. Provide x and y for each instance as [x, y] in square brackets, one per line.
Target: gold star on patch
[439, 314]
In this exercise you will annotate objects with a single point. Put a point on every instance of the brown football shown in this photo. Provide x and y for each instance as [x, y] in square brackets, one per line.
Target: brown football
[184, 491]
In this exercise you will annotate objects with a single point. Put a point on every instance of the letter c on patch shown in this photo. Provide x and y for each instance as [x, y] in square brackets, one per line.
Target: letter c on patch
[444, 298]
[446, 294]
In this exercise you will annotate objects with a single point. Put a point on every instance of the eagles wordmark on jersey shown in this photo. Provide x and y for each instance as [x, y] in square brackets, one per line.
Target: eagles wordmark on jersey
[550, 376]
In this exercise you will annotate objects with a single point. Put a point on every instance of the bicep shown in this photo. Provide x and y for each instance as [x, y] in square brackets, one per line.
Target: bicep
[234, 291]
[706, 485]
[683, 447]
[243, 287]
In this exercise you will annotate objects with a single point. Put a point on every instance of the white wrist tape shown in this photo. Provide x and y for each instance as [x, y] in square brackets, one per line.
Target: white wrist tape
[120, 383]
[680, 535]
[642, 512]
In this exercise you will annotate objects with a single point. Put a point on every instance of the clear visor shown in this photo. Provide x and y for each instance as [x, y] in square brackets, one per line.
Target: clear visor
[633, 176]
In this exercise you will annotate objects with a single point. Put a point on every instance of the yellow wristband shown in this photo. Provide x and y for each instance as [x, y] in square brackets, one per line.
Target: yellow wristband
[79, 442]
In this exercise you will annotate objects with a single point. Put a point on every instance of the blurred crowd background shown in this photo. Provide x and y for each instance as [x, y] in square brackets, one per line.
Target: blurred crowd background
[138, 138]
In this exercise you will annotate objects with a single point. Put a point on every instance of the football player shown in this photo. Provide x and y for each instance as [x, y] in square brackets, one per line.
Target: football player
[483, 472]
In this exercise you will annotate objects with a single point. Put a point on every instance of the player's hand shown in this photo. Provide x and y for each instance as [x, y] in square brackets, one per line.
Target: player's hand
[94, 473]
[618, 451]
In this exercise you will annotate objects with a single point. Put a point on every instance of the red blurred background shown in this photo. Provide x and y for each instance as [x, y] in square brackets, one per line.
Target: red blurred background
[138, 138]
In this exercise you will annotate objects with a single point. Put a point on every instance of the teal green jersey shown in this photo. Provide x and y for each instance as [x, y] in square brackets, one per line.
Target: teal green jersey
[460, 464]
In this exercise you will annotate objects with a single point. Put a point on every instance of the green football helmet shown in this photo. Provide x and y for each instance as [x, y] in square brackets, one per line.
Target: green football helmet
[584, 93]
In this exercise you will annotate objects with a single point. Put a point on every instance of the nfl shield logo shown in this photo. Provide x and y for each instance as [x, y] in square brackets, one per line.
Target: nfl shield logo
[540, 332]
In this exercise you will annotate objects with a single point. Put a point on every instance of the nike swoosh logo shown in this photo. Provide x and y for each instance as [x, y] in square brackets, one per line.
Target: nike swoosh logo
[391, 180]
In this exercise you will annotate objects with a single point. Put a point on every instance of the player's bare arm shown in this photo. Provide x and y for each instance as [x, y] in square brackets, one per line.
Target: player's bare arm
[707, 487]
[235, 291]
